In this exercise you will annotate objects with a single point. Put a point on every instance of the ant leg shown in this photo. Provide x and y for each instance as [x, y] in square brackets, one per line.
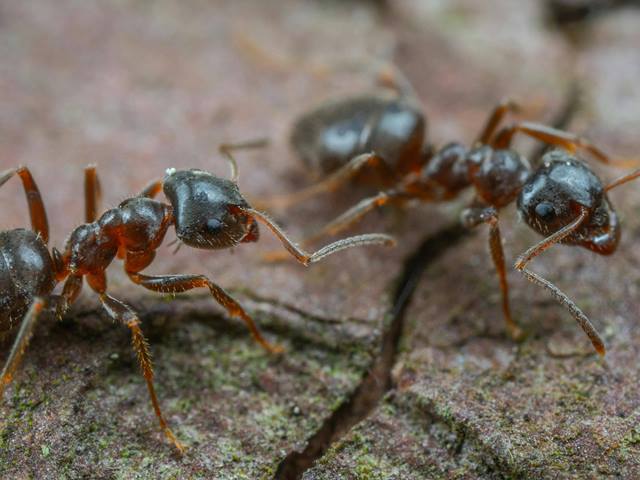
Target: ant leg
[225, 149]
[122, 313]
[183, 283]
[332, 182]
[495, 118]
[575, 311]
[552, 136]
[390, 76]
[37, 211]
[622, 180]
[151, 190]
[92, 194]
[307, 258]
[474, 216]
[70, 292]
[344, 221]
[354, 214]
[21, 342]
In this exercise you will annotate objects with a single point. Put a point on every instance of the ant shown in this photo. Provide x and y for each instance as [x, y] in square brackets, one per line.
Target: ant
[207, 211]
[561, 199]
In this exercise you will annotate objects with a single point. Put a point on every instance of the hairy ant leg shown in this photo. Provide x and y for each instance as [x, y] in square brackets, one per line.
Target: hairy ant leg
[332, 182]
[552, 136]
[21, 342]
[134, 263]
[37, 212]
[357, 212]
[496, 116]
[182, 283]
[92, 193]
[123, 314]
[560, 296]
[151, 190]
[70, 292]
[472, 217]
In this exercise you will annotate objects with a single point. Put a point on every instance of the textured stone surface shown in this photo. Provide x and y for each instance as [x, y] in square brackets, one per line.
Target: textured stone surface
[468, 402]
[138, 87]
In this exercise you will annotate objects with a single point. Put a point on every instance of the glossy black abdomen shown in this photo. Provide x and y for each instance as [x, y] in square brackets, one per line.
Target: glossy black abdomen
[328, 137]
[26, 271]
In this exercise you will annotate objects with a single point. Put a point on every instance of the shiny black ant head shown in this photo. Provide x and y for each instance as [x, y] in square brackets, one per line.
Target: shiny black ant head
[205, 210]
[555, 194]
[497, 175]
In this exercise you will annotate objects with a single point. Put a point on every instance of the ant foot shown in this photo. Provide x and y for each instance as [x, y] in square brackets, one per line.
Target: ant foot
[516, 333]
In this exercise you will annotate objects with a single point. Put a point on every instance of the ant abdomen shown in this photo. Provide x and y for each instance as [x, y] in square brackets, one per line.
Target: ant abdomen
[26, 272]
[555, 195]
[392, 126]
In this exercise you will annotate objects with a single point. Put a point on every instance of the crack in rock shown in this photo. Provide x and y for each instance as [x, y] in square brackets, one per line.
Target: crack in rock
[377, 382]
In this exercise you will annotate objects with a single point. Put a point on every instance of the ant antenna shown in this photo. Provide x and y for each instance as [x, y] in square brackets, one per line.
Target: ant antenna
[226, 148]
[558, 294]
[307, 258]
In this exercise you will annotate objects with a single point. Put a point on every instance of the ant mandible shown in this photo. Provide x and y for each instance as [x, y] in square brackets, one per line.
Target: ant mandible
[387, 135]
[207, 212]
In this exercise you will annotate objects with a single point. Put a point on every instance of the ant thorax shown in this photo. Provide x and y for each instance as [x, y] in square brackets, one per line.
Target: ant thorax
[88, 249]
[498, 175]
[446, 173]
[137, 224]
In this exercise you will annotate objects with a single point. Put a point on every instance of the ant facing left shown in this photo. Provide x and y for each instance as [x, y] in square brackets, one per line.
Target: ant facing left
[560, 198]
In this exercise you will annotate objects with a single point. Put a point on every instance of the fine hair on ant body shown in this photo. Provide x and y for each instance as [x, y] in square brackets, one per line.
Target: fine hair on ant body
[562, 198]
[207, 212]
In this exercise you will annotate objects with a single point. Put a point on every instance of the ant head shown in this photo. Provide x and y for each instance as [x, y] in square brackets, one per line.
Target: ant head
[555, 194]
[205, 210]
[497, 175]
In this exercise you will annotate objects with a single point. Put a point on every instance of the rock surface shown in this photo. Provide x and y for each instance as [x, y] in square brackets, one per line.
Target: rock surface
[138, 87]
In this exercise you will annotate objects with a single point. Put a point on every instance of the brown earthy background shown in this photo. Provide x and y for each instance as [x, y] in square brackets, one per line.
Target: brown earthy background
[372, 386]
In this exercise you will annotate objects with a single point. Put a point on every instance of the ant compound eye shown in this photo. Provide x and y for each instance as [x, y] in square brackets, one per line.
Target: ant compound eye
[545, 211]
[214, 226]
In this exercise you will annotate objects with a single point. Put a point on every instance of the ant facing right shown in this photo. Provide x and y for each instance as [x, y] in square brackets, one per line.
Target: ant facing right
[562, 198]
[206, 211]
